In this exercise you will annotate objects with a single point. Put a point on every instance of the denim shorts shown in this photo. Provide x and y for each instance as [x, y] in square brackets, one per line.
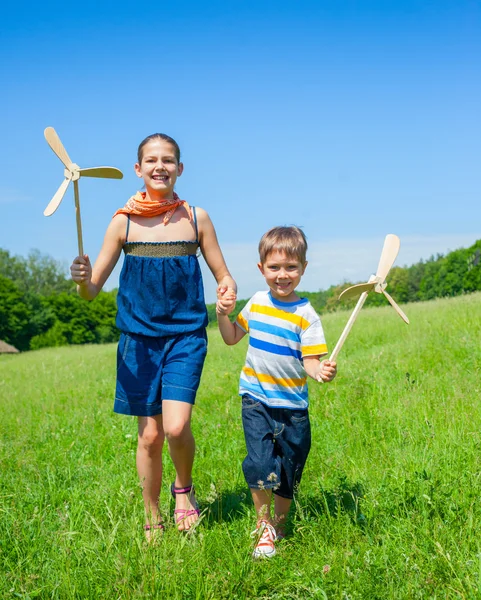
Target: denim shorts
[278, 441]
[150, 370]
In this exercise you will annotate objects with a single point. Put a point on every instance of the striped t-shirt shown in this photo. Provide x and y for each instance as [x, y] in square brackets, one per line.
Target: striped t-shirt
[280, 335]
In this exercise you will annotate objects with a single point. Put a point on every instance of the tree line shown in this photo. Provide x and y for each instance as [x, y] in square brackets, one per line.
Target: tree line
[39, 306]
[458, 272]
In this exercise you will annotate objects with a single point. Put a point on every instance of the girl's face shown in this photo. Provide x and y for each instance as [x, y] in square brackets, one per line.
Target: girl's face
[159, 168]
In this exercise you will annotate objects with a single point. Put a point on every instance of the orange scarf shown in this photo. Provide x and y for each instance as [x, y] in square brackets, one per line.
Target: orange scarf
[139, 205]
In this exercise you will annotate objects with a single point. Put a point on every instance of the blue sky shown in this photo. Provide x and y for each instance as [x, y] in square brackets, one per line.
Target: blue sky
[350, 119]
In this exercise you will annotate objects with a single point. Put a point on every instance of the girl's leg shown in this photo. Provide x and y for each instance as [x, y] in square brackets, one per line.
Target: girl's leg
[149, 464]
[281, 511]
[176, 422]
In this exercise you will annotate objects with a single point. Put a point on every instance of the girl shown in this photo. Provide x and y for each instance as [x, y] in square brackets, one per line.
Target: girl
[162, 318]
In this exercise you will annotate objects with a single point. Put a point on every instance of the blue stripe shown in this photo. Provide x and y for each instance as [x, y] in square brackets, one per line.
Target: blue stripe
[274, 348]
[287, 334]
[272, 394]
[281, 304]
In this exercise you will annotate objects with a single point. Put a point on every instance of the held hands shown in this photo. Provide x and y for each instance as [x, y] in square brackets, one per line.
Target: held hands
[226, 299]
[81, 270]
[327, 371]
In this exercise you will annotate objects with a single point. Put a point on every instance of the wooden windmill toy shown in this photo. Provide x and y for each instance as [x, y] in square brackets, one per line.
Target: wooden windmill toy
[376, 283]
[73, 173]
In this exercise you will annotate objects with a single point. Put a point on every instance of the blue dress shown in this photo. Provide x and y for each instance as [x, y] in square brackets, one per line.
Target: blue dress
[162, 317]
[161, 292]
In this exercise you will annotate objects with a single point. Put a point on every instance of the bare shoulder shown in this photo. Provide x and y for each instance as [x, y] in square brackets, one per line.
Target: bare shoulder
[202, 215]
[117, 228]
[203, 221]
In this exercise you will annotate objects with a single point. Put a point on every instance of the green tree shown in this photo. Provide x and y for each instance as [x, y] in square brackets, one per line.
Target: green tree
[37, 274]
[14, 315]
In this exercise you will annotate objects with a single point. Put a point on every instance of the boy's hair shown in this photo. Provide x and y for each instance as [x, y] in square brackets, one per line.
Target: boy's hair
[158, 136]
[290, 240]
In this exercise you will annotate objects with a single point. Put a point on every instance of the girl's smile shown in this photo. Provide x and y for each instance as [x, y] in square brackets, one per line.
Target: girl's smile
[159, 168]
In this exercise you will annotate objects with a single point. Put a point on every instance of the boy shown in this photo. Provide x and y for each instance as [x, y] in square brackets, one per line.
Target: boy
[285, 343]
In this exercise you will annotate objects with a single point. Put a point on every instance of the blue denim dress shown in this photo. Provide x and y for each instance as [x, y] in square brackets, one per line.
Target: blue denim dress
[161, 292]
[162, 317]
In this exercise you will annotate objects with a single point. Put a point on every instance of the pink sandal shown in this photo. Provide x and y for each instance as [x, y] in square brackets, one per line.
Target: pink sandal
[180, 514]
[156, 526]
[149, 529]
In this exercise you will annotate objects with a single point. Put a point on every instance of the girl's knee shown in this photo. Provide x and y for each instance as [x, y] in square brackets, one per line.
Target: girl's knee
[151, 438]
[178, 431]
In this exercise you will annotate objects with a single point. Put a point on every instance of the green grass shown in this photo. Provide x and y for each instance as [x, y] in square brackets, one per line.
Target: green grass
[388, 505]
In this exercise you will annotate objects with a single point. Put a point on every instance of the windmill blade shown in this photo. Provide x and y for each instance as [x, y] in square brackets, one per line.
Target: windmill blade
[55, 201]
[106, 172]
[355, 290]
[388, 255]
[57, 146]
[396, 307]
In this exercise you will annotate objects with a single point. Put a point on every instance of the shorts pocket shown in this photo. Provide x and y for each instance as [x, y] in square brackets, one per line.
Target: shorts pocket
[300, 417]
[248, 402]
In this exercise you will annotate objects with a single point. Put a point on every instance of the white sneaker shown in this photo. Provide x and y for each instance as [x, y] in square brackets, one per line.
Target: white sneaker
[266, 536]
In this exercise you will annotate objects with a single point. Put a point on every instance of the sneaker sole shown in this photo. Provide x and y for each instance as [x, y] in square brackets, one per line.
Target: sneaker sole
[257, 554]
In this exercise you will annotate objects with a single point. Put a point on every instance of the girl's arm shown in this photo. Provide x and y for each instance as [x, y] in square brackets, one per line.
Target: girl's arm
[211, 251]
[90, 281]
[320, 371]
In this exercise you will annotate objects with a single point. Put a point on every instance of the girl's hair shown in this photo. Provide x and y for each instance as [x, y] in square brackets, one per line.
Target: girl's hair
[158, 136]
[290, 240]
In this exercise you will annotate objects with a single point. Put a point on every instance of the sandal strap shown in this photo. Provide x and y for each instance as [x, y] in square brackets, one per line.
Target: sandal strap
[184, 490]
[156, 526]
[180, 514]
[187, 511]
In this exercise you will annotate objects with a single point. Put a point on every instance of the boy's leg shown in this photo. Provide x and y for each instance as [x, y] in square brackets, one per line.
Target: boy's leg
[149, 464]
[281, 512]
[265, 531]
[261, 467]
[295, 443]
[262, 503]
[176, 421]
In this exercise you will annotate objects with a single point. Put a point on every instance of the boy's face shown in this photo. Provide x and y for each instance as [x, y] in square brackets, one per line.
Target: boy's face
[282, 274]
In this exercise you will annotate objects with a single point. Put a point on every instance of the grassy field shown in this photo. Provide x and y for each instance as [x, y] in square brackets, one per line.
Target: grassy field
[388, 507]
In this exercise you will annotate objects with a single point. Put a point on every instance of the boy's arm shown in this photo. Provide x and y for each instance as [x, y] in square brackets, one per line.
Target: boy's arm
[231, 334]
[324, 371]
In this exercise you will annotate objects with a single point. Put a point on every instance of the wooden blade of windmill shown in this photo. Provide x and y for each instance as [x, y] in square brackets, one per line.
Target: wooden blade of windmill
[57, 146]
[396, 307]
[355, 290]
[388, 255]
[106, 172]
[55, 201]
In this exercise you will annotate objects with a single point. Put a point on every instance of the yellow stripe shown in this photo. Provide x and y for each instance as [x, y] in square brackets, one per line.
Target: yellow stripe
[275, 380]
[242, 322]
[280, 314]
[314, 350]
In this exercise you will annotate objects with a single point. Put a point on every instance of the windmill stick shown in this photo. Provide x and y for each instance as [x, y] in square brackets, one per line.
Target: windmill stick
[79, 222]
[349, 324]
